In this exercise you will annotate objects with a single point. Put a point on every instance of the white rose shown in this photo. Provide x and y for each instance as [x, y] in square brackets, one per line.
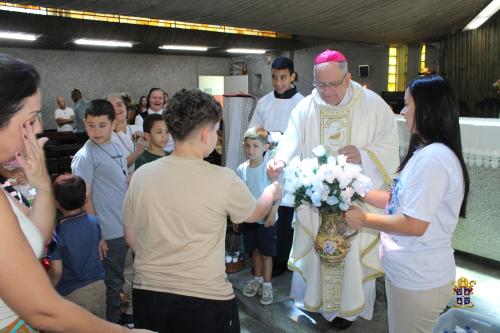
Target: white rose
[341, 160]
[319, 151]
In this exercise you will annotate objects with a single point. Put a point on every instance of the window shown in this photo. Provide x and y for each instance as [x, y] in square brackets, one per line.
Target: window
[393, 69]
[396, 71]
[423, 50]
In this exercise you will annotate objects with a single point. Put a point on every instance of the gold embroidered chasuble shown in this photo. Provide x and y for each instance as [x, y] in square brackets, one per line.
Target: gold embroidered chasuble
[366, 122]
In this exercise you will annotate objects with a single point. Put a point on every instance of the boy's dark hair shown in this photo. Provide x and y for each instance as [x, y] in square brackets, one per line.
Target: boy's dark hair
[284, 63]
[100, 107]
[70, 191]
[150, 120]
[189, 110]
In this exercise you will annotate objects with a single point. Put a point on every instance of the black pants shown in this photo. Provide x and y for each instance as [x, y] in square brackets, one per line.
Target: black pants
[114, 265]
[171, 313]
[285, 235]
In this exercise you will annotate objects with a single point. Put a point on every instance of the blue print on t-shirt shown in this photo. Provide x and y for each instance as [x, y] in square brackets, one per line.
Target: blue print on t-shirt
[393, 204]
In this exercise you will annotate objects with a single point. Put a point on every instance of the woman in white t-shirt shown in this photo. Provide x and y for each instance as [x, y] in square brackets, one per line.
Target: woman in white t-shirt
[422, 209]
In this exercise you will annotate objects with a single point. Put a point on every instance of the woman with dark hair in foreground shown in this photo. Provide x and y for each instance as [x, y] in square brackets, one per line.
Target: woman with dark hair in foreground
[26, 296]
[422, 209]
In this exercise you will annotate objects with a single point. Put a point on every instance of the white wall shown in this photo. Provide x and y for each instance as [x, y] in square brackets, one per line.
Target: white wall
[100, 73]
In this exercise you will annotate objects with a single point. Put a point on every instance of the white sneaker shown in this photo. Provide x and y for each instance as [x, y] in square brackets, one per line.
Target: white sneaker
[251, 288]
[267, 295]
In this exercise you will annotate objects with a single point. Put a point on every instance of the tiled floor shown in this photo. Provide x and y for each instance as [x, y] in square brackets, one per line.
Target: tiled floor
[283, 316]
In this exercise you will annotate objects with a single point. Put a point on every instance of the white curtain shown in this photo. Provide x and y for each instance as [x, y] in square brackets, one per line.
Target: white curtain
[237, 113]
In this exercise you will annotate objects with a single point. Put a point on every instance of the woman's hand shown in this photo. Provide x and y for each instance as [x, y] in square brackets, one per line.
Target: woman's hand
[355, 217]
[33, 161]
[18, 177]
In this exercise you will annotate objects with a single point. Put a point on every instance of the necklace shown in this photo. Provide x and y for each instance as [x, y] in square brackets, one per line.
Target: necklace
[117, 158]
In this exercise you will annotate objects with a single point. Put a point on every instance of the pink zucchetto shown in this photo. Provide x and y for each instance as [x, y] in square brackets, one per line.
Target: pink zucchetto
[329, 56]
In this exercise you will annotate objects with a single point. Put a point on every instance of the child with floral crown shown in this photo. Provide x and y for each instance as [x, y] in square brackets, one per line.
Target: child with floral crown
[260, 238]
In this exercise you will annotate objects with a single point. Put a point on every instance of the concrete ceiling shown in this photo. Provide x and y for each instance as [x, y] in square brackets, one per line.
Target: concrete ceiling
[371, 21]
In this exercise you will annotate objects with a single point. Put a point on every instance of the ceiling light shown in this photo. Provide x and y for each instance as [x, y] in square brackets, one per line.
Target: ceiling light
[483, 16]
[250, 51]
[102, 42]
[18, 36]
[184, 48]
[21, 9]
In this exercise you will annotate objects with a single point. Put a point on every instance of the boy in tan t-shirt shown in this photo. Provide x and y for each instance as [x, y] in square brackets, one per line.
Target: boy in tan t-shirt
[175, 222]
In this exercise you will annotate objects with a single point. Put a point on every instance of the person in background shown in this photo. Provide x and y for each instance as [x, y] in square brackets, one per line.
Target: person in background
[75, 265]
[156, 135]
[64, 116]
[142, 107]
[131, 108]
[272, 113]
[80, 104]
[156, 101]
[175, 217]
[421, 210]
[129, 138]
[27, 297]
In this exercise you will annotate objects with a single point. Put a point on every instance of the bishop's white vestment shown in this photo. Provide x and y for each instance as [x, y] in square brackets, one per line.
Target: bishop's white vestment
[364, 120]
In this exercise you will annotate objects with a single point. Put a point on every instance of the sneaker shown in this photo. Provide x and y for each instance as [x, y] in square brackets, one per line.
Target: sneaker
[126, 320]
[251, 288]
[267, 295]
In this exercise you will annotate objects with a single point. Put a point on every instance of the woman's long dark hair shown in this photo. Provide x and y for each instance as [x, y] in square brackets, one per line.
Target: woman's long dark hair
[18, 80]
[436, 120]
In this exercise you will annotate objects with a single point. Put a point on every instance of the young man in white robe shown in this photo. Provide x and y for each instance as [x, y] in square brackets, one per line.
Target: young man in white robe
[273, 113]
[347, 119]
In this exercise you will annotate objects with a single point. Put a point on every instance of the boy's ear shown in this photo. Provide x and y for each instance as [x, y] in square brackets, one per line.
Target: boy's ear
[293, 76]
[204, 131]
[267, 146]
[147, 136]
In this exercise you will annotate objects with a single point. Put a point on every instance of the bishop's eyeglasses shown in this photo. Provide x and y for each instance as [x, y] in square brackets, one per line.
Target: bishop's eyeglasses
[333, 84]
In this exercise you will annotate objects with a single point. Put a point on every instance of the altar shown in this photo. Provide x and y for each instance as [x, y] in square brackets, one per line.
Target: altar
[479, 232]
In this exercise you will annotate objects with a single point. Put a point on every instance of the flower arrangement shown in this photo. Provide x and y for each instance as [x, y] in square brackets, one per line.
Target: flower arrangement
[327, 182]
